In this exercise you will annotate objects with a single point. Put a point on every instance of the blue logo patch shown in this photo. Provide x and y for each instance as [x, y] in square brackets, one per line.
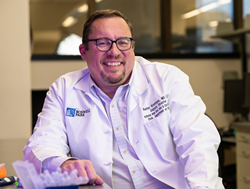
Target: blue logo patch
[70, 112]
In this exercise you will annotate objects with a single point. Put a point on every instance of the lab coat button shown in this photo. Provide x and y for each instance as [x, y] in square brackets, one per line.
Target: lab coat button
[107, 131]
[134, 171]
[107, 163]
[117, 128]
[112, 105]
[125, 151]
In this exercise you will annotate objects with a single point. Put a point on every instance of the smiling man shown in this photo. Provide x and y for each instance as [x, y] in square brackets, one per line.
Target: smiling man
[124, 120]
[109, 65]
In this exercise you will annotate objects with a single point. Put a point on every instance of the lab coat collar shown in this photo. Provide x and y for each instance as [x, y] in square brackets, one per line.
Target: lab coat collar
[140, 80]
[139, 85]
[84, 84]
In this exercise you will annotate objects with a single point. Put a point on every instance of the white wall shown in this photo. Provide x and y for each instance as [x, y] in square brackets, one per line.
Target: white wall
[15, 104]
[205, 78]
[44, 73]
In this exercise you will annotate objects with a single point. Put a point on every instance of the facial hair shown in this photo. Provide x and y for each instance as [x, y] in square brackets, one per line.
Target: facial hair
[113, 80]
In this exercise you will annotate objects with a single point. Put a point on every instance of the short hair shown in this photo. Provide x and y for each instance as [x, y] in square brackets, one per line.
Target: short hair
[108, 13]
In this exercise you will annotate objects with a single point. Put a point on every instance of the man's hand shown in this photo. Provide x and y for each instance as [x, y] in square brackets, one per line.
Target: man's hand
[85, 170]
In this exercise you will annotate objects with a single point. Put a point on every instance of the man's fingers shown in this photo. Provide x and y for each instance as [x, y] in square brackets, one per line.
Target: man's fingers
[79, 166]
[68, 167]
[90, 172]
[99, 181]
[85, 170]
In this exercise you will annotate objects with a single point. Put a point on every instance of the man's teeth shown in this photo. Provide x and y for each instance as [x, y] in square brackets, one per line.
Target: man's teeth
[113, 63]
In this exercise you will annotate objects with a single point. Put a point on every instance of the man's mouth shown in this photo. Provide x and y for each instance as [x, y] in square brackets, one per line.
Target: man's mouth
[112, 63]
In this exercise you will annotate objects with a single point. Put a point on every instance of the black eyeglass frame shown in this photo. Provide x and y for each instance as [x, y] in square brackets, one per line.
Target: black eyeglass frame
[130, 38]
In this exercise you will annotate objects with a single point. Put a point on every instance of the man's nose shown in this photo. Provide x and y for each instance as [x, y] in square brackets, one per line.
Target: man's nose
[114, 51]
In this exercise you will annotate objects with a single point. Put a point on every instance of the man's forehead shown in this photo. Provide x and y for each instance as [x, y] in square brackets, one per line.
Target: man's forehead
[105, 22]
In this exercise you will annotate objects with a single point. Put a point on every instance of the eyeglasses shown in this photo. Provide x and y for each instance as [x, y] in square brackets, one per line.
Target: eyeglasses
[104, 44]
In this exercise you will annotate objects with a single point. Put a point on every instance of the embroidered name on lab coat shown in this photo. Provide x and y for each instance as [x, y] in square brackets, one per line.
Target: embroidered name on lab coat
[156, 108]
[73, 112]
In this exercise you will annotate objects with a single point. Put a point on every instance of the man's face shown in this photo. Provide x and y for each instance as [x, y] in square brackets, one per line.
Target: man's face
[112, 68]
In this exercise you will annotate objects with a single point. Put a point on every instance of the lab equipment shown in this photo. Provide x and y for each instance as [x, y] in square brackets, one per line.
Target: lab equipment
[31, 179]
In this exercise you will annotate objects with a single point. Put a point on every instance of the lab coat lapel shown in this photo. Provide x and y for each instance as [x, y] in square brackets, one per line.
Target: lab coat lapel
[140, 84]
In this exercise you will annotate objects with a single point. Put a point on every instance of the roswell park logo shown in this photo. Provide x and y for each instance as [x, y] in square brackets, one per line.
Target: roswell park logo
[73, 112]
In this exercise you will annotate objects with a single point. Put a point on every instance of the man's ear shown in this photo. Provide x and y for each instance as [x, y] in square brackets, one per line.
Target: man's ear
[82, 51]
[133, 45]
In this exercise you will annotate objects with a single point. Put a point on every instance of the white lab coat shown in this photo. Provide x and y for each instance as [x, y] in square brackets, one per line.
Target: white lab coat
[167, 128]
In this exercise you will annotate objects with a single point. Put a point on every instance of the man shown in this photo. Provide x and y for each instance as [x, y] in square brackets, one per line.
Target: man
[125, 121]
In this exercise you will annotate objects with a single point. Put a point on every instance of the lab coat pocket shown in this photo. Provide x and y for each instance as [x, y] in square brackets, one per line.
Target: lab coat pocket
[160, 133]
